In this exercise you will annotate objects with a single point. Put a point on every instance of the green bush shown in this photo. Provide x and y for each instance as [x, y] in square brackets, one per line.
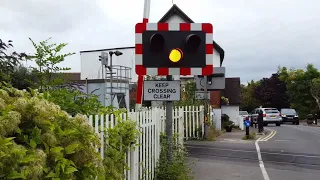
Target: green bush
[179, 168]
[119, 138]
[74, 101]
[40, 141]
[225, 118]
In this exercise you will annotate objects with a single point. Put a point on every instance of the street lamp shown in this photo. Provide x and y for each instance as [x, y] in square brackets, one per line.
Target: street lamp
[117, 53]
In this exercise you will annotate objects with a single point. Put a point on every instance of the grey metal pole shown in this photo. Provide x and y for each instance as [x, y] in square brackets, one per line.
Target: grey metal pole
[111, 79]
[206, 127]
[169, 108]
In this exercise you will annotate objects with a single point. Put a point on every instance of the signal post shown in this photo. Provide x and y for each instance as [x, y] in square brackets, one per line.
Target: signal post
[166, 49]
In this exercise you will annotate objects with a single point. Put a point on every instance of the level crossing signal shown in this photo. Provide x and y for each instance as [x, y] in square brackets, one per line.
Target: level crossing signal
[174, 49]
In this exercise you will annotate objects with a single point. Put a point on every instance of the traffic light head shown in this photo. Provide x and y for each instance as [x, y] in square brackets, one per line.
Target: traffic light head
[192, 43]
[156, 43]
[185, 48]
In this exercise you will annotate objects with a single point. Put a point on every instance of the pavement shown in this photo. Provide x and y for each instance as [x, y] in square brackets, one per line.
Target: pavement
[288, 152]
[237, 135]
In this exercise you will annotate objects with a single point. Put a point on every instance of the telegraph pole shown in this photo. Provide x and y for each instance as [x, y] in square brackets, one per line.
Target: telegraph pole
[169, 107]
[205, 110]
[111, 79]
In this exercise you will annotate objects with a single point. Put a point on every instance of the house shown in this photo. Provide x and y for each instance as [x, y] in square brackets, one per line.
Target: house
[232, 92]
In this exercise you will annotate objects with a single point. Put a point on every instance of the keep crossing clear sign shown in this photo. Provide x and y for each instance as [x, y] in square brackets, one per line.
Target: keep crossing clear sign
[161, 90]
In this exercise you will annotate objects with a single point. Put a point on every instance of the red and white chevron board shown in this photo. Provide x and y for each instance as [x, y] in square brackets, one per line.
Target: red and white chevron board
[206, 27]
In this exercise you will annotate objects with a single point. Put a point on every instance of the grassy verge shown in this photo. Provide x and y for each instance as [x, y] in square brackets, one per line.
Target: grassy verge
[213, 133]
[251, 136]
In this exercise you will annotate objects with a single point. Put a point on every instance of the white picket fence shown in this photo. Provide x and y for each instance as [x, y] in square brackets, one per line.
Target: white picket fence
[142, 161]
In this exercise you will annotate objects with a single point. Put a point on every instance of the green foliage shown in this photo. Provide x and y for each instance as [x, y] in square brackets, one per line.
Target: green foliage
[213, 133]
[40, 141]
[47, 57]
[251, 136]
[9, 61]
[271, 92]
[225, 121]
[188, 95]
[249, 100]
[74, 101]
[225, 118]
[120, 139]
[315, 90]
[299, 83]
[179, 168]
[23, 78]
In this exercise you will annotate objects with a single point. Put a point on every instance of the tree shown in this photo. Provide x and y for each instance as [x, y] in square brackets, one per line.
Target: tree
[272, 92]
[47, 57]
[23, 78]
[9, 61]
[188, 94]
[315, 90]
[249, 101]
[299, 83]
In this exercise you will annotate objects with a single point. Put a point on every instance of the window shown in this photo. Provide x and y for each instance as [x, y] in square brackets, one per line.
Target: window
[271, 111]
[243, 113]
[288, 111]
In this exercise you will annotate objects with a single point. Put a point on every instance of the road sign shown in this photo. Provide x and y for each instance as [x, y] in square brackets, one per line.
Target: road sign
[246, 123]
[161, 90]
[216, 81]
[174, 49]
[201, 95]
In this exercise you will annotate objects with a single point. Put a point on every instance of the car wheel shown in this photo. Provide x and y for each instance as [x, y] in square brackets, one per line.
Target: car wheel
[278, 123]
[297, 123]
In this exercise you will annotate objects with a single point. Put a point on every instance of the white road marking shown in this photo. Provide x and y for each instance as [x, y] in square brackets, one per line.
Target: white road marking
[261, 164]
[281, 140]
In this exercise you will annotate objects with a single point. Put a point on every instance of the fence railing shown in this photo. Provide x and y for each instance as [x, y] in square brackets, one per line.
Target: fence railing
[142, 160]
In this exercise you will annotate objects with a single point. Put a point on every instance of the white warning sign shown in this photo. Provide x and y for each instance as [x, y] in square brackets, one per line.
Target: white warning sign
[161, 90]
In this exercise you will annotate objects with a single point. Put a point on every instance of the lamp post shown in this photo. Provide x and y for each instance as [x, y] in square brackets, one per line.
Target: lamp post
[117, 53]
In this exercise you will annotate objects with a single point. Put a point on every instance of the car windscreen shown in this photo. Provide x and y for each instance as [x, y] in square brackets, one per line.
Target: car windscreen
[271, 111]
[243, 113]
[288, 111]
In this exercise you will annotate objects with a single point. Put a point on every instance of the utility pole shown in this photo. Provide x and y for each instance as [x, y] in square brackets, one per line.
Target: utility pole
[169, 107]
[205, 110]
[111, 79]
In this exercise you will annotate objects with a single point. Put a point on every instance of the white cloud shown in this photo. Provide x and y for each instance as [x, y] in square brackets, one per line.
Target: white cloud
[257, 36]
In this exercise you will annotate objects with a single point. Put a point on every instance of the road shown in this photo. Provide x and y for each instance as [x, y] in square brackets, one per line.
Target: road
[292, 154]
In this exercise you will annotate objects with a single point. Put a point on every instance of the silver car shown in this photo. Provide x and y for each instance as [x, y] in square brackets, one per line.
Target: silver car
[270, 116]
[244, 114]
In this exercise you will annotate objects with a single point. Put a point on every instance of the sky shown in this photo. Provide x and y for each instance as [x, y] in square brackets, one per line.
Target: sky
[257, 36]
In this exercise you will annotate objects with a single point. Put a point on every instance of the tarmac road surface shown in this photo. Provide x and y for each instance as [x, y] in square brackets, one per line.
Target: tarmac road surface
[293, 153]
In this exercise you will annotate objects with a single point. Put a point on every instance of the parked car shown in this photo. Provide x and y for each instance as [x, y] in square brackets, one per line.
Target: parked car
[270, 116]
[289, 115]
[244, 114]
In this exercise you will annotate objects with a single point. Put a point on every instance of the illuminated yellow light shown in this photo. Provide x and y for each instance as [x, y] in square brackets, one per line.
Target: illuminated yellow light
[175, 55]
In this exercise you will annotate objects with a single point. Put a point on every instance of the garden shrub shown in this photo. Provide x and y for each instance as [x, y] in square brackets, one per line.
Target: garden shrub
[40, 141]
[179, 168]
[120, 138]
